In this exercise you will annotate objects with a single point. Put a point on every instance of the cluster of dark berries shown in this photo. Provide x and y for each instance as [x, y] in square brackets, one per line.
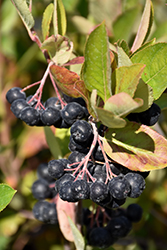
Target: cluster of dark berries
[42, 189]
[76, 181]
[148, 117]
[104, 228]
[45, 114]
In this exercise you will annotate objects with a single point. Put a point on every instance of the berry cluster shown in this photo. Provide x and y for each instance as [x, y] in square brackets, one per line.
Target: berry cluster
[87, 173]
[42, 189]
[105, 227]
[35, 113]
[108, 184]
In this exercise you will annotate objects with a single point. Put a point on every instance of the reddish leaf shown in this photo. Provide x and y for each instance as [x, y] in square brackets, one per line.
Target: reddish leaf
[76, 60]
[66, 79]
[65, 209]
[137, 147]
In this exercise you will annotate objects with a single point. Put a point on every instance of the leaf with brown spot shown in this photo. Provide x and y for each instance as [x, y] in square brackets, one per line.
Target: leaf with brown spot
[136, 147]
[66, 80]
[76, 60]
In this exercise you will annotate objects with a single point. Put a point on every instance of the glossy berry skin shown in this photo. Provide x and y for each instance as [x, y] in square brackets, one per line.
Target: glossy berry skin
[150, 116]
[119, 187]
[56, 167]
[74, 146]
[17, 106]
[30, 116]
[80, 189]
[98, 191]
[51, 116]
[41, 190]
[134, 212]
[66, 192]
[100, 237]
[45, 212]
[76, 157]
[81, 132]
[72, 112]
[53, 102]
[14, 94]
[137, 184]
[42, 172]
[61, 182]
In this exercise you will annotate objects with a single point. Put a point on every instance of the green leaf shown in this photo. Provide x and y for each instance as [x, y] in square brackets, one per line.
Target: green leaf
[24, 12]
[96, 71]
[127, 78]
[162, 101]
[145, 92]
[145, 26]
[109, 119]
[59, 18]
[123, 58]
[78, 238]
[155, 72]
[123, 25]
[53, 143]
[6, 195]
[123, 44]
[121, 104]
[59, 48]
[46, 20]
[136, 147]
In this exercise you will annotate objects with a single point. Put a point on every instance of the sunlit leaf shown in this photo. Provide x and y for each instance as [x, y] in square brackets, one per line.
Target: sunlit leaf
[24, 12]
[96, 71]
[136, 147]
[123, 58]
[155, 72]
[78, 238]
[145, 92]
[66, 80]
[127, 78]
[47, 17]
[145, 26]
[59, 48]
[108, 119]
[59, 18]
[6, 195]
[121, 104]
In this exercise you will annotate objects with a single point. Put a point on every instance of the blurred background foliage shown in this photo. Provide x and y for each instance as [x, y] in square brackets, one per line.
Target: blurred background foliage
[23, 148]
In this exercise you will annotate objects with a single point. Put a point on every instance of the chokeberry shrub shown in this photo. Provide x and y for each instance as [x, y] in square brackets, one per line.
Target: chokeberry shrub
[108, 107]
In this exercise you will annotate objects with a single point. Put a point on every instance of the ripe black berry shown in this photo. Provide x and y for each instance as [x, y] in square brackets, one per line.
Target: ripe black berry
[119, 187]
[51, 116]
[72, 112]
[81, 132]
[41, 190]
[134, 212]
[17, 106]
[14, 94]
[98, 191]
[80, 189]
[30, 116]
[137, 184]
[100, 237]
[56, 167]
[53, 102]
